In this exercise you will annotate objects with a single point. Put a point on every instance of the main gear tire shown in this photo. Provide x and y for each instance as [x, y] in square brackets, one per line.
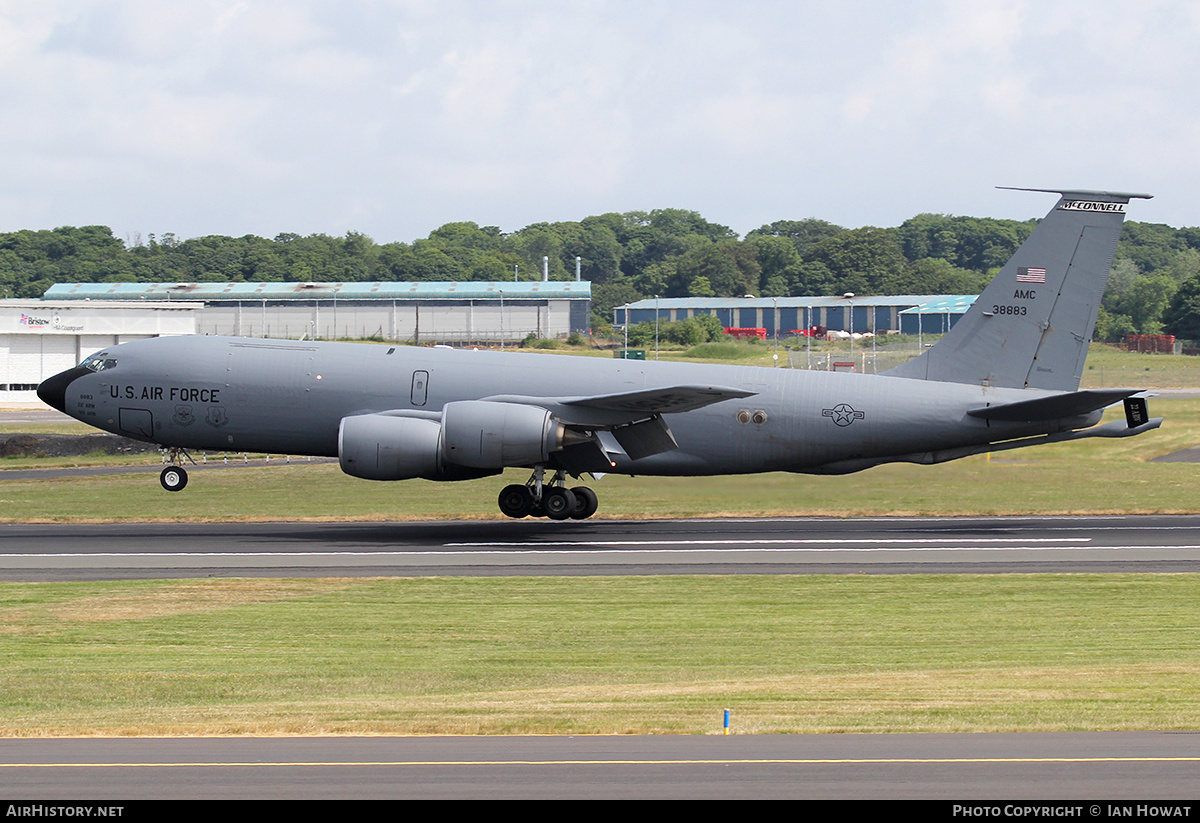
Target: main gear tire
[558, 503]
[586, 503]
[516, 501]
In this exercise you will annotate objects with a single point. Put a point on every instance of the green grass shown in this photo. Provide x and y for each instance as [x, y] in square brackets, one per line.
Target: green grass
[322, 492]
[1112, 367]
[601, 655]
[725, 351]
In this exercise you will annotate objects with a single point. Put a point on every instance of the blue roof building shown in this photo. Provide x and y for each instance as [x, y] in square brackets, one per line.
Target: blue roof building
[907, 313]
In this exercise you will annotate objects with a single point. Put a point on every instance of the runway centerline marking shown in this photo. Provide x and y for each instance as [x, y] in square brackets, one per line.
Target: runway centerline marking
[465, 551]
[798, 761]
[781, 541]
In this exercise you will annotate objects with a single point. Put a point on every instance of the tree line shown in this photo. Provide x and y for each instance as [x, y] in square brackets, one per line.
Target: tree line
[1154, 286]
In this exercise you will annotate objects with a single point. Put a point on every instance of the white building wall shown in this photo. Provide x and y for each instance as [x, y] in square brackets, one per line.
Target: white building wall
[467, 320]
[40, 339]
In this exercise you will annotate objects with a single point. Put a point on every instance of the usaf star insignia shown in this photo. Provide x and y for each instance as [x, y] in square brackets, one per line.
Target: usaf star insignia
[843, 414]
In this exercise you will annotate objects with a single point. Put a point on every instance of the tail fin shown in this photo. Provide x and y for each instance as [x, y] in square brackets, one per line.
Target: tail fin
[1031, 326]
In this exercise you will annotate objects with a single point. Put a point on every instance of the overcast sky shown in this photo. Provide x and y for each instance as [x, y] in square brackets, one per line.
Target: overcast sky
[392, 118]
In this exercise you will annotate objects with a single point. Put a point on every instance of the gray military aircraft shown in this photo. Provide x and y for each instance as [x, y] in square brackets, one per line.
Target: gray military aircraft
[1006, 376]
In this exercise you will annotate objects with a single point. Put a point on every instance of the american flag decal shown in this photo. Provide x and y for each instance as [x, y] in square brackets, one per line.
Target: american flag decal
[1029, 274]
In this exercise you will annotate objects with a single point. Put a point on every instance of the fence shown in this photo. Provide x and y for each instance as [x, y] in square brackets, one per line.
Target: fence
[866, 360]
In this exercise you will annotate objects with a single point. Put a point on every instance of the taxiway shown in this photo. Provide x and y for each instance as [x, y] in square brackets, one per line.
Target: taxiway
[1155, 543]
[1084, 767]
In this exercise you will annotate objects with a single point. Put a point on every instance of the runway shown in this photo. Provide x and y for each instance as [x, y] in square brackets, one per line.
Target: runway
[1083, 767]
[1155, 543]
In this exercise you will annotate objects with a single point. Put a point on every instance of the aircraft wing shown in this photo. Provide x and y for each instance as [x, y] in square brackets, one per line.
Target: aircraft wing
[1070, 404]
[605, 410]
[634, 419]
[670, 400]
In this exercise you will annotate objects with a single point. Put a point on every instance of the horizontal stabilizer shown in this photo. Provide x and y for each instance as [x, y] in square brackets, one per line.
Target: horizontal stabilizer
[1085, 193]
[1054, 407]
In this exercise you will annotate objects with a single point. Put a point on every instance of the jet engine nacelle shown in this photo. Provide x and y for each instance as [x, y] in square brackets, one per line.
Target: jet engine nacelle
[474, 438]
[489, 435]
[379, 447]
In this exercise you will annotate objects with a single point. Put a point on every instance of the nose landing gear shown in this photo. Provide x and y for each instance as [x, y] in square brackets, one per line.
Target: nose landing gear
[173, 478]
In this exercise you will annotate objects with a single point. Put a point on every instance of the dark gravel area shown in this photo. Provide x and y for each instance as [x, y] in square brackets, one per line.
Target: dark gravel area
[70, 445]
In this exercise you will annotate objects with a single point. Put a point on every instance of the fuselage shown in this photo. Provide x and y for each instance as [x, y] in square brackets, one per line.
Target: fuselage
[289, 397]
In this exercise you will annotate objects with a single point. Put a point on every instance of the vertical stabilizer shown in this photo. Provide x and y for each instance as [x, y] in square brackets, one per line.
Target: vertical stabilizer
[1031, 327]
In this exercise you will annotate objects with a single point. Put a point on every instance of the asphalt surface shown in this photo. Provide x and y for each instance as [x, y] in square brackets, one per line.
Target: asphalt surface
[1150, 543]
[1088, 768]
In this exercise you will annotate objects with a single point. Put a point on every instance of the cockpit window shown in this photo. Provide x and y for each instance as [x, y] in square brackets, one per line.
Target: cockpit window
[98, 363]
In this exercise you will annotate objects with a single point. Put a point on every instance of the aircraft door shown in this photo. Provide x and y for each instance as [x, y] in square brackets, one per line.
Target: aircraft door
[138, 422]
[420, 387]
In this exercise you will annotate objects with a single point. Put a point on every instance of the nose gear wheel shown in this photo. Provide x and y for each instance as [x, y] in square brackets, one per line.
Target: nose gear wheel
[173, 478]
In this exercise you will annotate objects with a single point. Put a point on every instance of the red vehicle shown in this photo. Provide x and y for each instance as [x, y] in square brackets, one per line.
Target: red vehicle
[747, 333]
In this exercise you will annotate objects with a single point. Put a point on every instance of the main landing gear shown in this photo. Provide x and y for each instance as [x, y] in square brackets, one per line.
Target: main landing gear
[173, 477]
[553, 500]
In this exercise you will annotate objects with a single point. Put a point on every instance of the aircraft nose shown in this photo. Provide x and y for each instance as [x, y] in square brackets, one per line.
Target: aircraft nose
[53, 390]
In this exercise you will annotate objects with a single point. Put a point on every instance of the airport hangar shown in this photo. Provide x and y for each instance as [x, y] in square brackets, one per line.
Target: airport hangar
[890, 314]
[40, 338]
